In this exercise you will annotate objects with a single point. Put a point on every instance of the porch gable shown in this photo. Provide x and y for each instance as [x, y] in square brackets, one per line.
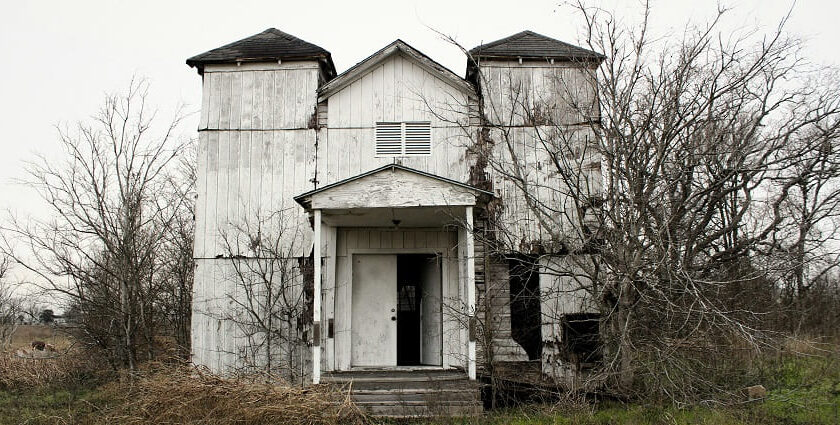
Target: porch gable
[391, 186]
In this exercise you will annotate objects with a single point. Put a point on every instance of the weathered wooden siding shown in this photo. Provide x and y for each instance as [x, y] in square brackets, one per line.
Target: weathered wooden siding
[396, 90]
[256, 152]
[218, 340]
[564, 289]
[536, 92]
[248, 174]
[537, 127]
[259, 96]
[393, 241]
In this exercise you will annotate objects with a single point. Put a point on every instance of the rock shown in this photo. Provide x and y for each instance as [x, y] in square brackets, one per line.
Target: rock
[756, 392]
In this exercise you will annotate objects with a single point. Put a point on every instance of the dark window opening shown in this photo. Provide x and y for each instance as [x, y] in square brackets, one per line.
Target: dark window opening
[525, 323]
[581, 339]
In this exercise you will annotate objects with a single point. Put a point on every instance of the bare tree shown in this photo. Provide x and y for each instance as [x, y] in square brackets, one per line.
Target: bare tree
[269, 299]
[11, 307]
[648, 182]
[176, 254]
[99, 248]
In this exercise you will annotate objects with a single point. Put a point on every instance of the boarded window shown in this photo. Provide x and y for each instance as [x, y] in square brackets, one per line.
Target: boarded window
[413, 138]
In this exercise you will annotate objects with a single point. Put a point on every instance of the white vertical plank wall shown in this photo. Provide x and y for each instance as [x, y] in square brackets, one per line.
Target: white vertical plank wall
[255, 153]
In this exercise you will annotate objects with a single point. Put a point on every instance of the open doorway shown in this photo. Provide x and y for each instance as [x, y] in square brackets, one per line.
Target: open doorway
[419, 314]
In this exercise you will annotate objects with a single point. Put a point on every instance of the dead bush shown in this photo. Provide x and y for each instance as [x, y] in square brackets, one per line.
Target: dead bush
[26, 370]
[165, 394]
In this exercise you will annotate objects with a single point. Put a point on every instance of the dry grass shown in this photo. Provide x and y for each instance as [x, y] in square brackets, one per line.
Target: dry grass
[60, 369]
[25, 334]
[188, 395]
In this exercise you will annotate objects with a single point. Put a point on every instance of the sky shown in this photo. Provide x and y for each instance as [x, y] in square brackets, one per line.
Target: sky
[60, 58]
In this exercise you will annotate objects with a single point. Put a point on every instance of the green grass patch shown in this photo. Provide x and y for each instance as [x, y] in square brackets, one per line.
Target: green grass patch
[76, 406]
[801, 390]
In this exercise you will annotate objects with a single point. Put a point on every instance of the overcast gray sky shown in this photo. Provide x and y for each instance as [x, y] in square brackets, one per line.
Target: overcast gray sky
[60, 57]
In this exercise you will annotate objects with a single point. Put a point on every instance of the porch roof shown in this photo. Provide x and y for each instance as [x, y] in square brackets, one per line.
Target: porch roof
[403, 187]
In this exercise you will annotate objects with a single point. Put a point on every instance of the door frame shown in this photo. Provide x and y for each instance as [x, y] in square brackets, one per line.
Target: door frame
[444, 269]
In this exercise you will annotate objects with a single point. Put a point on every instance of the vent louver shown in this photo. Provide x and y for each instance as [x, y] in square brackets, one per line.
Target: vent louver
[403, 138]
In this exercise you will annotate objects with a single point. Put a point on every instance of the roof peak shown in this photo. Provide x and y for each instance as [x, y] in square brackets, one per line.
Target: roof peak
[271, 44]
[529, 44]
[394, 47]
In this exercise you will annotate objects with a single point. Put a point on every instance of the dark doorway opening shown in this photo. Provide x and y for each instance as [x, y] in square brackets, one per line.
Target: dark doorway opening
[418, 281]
[581, 338]
[525, 320]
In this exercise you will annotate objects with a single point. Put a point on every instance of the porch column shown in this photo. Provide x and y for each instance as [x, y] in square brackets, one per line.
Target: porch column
[316, 302]
[470, 292]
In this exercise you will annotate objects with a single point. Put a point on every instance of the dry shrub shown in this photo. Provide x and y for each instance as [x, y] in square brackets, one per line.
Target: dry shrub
[187, 395]
[63, 369]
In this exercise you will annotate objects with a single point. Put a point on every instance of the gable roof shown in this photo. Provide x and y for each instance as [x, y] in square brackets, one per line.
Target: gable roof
[304, 199]
[397, 46]
[528, 44]
[269, 45]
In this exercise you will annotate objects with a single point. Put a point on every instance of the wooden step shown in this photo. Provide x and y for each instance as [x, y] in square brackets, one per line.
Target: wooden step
[395, 375]
[428, 395]
[409, 410]
[410, 392]
[362, 385]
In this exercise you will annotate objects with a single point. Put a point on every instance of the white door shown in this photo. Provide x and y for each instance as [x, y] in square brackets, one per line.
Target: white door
[373, 322]
[430, 322]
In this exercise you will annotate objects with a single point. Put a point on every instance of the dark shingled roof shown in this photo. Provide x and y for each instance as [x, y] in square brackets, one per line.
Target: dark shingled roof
[528, 44]
[269, 45]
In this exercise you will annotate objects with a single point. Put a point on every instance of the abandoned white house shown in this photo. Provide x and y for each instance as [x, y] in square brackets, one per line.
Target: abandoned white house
[383, 202]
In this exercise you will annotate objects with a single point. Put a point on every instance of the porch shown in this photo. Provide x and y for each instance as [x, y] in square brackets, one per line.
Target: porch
[395, 273]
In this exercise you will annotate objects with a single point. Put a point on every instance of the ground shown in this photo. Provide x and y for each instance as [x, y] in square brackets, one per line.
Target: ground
[803, 389]
[25, 334]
